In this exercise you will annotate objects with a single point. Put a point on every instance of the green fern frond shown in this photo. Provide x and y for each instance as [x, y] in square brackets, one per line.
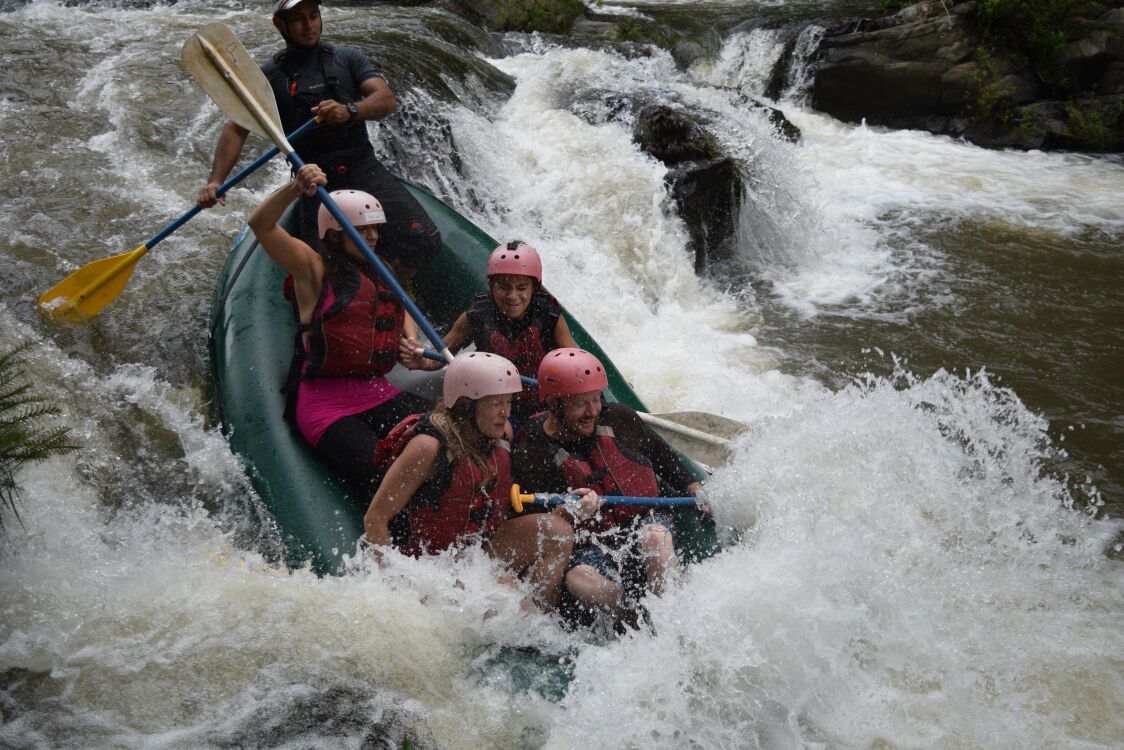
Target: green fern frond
[23, 439]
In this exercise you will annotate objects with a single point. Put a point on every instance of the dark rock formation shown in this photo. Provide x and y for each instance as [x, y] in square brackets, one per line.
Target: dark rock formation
[707, 185]
[709, 197]
[892, 73]
[921, 68]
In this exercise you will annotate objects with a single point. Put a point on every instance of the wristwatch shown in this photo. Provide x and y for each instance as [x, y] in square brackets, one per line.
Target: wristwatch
[352, 111]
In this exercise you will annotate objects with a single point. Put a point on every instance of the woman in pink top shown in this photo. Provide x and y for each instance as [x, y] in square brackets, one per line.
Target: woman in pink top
[351, 329]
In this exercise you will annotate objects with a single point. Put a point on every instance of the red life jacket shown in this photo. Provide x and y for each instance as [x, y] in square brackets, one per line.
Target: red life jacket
[456, 502]
[525, 341]
[609, 469]
[356, 334]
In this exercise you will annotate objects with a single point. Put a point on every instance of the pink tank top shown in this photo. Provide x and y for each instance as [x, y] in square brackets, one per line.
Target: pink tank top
[322, 401]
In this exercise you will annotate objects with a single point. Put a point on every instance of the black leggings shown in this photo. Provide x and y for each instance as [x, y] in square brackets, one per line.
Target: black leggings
[348, 445]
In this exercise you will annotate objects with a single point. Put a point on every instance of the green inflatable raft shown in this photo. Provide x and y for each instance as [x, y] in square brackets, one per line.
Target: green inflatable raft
[252, 333]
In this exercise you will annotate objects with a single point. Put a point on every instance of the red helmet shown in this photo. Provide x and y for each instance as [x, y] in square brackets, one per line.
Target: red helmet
[569, 371]
[360, 209]
[479, 374]
[517, 258]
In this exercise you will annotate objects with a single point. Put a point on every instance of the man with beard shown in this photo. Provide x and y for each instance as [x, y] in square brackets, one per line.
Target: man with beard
[626, 551]
[340, 86]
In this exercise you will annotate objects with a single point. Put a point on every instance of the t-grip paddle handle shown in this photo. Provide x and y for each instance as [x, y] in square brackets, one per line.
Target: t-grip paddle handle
[548, 500]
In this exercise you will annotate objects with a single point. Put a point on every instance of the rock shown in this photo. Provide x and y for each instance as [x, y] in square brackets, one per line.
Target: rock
[687, 52]
[709, 197]
[1083, 61]
[785, 130]
[705, 184]
[672, 137]
[920, 68]
[480, 12]
[586, 30]
[917, 63]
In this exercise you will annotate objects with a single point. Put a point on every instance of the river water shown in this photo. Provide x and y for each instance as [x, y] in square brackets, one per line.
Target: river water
[925, 337]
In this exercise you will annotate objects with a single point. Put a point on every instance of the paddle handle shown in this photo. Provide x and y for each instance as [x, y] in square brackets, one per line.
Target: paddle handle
[548, 500]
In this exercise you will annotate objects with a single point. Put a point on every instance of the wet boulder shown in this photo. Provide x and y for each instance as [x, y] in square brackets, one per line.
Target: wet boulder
[917, 63]
[672, 136]
[706, 184]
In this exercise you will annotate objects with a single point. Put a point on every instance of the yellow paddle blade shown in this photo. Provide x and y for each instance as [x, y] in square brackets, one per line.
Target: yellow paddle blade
[86, 292]
[222, 86]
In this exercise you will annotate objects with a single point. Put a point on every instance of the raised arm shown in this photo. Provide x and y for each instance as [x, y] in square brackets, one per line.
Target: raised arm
[291, 253]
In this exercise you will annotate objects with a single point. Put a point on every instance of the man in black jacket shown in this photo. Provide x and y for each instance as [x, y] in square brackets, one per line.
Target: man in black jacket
[341, 87]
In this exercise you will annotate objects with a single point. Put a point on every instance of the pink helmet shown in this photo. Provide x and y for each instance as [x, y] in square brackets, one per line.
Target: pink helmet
[516, 258]
[479, 374]
[569, 371]
[360, 209]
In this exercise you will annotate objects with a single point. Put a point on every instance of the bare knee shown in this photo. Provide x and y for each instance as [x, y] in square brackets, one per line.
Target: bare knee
[655, 541]
[554, 533]
[587, 585]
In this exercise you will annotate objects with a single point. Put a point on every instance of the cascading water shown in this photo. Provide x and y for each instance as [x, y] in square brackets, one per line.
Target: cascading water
[919, 559]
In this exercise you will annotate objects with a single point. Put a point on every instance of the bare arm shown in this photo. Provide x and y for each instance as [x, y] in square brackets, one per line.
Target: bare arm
[408, 345]
[227, 151]
[562, 336]
[291, 253]
[455, 339]
[404, 477]
[376, 102]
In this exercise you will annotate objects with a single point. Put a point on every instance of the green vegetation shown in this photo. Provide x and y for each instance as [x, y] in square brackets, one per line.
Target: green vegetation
[993, 104]
[1030, 128]
[642, 32]
[23, 439]
[547, 16]
[1032, 33]
[1092, 129]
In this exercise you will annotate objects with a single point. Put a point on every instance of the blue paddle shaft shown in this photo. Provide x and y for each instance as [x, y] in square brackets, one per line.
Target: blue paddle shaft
[430, 354]
[548, 500]
[250, 168]
[375, 262]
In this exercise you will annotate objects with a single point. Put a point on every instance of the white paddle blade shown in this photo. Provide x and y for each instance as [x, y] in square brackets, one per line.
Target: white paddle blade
[224, 91]
[714, 424]
[697, 445]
